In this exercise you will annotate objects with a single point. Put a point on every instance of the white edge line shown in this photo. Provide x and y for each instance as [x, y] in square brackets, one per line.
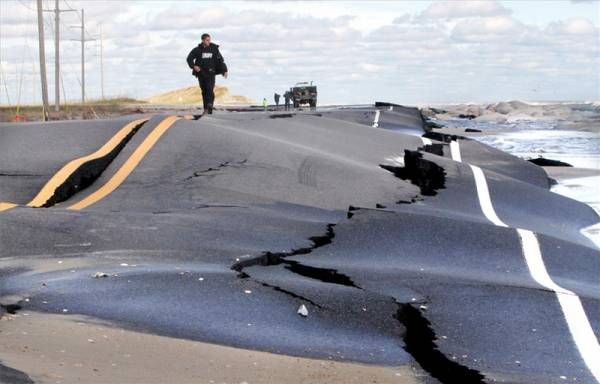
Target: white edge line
[485, 201]
[573, 311]
[455, 151]
[577, 321]
[376, 120]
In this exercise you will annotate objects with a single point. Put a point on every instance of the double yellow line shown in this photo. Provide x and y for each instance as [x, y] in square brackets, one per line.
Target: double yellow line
[66, 171]
[128, 166]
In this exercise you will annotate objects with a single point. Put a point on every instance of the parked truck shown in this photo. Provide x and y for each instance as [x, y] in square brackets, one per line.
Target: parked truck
[304, 93]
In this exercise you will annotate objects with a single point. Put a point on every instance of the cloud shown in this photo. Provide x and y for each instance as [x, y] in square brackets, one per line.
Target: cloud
[451, 51]
[487, 29]
[464, 8]
[573, 26]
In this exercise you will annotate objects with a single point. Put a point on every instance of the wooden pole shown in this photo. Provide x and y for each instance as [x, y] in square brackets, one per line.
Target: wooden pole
[42, 48]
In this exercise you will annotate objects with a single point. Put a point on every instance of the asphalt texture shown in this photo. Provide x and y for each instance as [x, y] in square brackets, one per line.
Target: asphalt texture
[229, 223]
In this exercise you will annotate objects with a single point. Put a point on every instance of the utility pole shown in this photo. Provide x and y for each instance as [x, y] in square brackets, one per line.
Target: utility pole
[56, 57]
[82, 58]
[83, 40]
[101, 63]
[42, 48]
[57, 12]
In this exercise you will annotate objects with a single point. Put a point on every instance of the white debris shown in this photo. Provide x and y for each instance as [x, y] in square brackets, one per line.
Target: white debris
[201, 279]
[124, 264]
[247, 291]
[303, 311]
[65, 310]
[99, 275]
[423, 307]
[90, 340]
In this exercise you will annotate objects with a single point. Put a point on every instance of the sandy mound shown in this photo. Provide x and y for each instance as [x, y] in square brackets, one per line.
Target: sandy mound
[192, 95]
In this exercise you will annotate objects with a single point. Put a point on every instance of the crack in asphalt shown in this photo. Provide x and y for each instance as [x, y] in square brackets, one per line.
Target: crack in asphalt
[210, 171]
[289, 293]
[10, 308]
[88, 172]
[275, 258]
[7, 174]
[425, 174]
[435, 149]
[419, 342]
[419, 337]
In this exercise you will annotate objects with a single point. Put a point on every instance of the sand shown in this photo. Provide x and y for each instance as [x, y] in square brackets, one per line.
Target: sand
[192, 95]
[74, 349]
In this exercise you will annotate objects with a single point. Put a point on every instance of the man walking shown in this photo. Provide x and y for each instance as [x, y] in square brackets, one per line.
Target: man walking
[206, 62]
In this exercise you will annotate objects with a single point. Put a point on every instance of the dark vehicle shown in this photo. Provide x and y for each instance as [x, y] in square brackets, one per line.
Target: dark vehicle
[304, 93]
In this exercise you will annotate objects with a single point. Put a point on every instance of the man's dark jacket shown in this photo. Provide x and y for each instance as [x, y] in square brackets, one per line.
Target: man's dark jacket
[209, 59]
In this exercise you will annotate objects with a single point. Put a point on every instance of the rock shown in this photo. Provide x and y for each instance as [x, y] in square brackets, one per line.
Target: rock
[303, 311]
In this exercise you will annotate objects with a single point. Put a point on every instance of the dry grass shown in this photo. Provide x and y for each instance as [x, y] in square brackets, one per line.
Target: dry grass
[116, 106]
[92, 109]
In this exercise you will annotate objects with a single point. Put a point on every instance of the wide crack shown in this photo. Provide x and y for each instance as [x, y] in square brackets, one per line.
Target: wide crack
[419, 342]
[435, 149]
[271, 258]
[443, 137]
[88, 172]
[425, 174]
[10, 308]
[325, 275]
[419, 337]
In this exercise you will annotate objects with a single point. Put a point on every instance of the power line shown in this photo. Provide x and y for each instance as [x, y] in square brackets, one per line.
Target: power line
[26, 6]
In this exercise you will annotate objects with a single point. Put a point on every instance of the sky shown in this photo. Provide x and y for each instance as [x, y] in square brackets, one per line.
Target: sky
[408, 52]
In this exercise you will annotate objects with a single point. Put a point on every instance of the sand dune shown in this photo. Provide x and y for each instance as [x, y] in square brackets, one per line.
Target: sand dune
[192, 95]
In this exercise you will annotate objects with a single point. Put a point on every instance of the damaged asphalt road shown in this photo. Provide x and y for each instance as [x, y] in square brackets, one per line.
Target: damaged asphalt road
[379, 232]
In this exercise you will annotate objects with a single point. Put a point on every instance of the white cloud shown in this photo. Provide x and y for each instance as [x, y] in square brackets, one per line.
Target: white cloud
[464, 8]
[573, 26]
[488, 28]
[449, 51]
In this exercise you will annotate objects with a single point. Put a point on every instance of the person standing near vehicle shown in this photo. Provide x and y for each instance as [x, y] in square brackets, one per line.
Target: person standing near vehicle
[206, 62]
[276, 97]
[287, 98]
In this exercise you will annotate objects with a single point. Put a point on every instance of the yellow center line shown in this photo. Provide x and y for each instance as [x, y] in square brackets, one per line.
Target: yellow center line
[129, 165]
[5, 206]
[66, 171]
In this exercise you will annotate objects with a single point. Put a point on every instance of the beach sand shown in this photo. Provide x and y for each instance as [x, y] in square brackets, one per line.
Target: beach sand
[74, 349]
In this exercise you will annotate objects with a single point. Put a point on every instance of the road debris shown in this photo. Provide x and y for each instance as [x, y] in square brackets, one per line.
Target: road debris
[303, 311]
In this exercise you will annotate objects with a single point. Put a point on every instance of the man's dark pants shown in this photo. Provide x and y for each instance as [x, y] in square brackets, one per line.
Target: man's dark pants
[207, 85]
